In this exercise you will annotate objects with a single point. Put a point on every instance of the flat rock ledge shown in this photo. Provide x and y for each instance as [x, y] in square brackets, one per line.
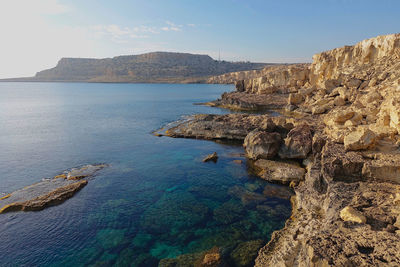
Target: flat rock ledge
[250, 102]
[49, 192]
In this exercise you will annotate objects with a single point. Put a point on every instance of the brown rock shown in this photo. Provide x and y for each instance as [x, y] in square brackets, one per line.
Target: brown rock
[262, 145]
[212, 157]
[277, 191]
[297, 143]
[278, 171]
[295, 99]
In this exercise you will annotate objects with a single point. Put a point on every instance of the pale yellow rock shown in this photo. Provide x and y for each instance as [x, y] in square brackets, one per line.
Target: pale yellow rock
[344, 93]
[361, 138]
[349, 214]
[373, 82]
[342, 116]
[397, 223]
[354, 121]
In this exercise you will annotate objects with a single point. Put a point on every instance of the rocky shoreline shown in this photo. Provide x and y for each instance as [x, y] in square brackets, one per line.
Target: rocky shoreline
[49, 192]
[336, 144]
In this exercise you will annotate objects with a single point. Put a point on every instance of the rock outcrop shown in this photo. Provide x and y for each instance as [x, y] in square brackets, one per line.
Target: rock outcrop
[49, 192]
[341, 131]
[262, 144]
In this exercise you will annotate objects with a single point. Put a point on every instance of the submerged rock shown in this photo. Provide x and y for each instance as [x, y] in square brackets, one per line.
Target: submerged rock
[212, 157]
[277, 192]
[209, 258]
[49, 192]
[245, 253]
[83, 172]
[173, 212]
[228, 212]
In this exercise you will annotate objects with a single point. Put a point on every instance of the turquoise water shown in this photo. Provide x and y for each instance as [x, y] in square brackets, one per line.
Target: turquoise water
[156, 200]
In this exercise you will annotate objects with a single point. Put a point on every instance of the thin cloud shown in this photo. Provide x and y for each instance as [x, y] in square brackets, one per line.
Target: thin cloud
[120, 34]
[172, 27]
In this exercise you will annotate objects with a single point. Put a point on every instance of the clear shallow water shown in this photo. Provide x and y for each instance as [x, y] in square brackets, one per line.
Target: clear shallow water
[157, 200]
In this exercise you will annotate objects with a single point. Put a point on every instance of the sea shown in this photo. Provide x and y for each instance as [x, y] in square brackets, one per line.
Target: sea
[156, 200]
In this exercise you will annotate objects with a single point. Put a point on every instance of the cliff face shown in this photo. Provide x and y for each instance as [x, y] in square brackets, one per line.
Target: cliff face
[363, 60]
[346, 210]
[368, 60]
[150, 67]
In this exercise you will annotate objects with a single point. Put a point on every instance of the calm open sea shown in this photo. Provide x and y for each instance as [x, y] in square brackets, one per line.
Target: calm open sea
[156, 200]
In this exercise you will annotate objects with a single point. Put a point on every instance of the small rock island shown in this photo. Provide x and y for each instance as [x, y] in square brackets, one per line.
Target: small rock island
[49, 192]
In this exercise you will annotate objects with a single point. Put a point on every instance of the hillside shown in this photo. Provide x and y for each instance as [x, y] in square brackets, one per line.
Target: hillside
[150, 67]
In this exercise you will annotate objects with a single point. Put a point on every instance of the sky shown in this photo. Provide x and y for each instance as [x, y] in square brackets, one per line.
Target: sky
[35, 34]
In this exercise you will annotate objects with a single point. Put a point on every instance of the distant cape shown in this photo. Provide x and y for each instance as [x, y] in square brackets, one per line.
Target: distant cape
[155, 67]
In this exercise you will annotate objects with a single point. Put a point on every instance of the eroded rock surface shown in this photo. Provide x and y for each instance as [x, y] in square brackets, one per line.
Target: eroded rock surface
[262, 144]
[277, 171]
[229, 127]
[49, 192]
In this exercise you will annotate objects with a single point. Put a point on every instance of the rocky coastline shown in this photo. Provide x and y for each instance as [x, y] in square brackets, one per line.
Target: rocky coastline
[336, 144]
[49, 192]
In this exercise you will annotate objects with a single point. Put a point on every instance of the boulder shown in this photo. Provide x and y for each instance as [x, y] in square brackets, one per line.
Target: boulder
[297, 144]
[342, 116]
[295, 99]
[262, 145]
[360, 139]
[277, 171]
[349, 214]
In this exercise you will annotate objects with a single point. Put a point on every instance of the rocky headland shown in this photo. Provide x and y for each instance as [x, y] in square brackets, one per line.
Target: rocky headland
[155, 67]
[336, 144]
[49, 192]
